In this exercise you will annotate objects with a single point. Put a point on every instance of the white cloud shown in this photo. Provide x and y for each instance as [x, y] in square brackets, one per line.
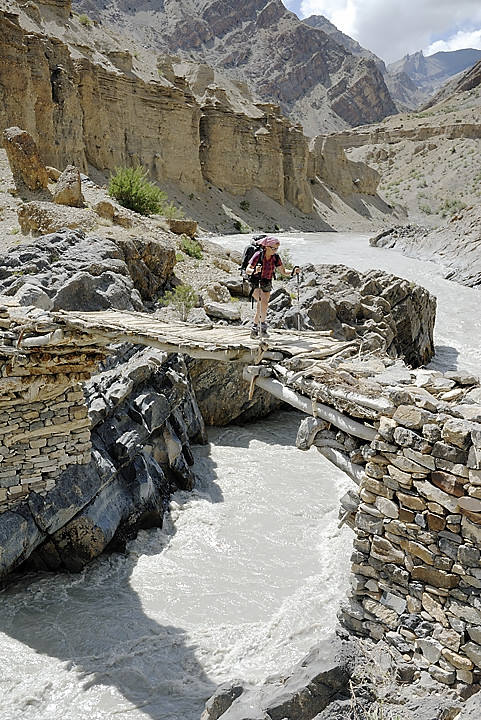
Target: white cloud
[459, 41]
[392, 29]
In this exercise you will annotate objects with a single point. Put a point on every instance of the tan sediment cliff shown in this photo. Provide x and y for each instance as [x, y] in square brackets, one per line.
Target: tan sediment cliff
[313, 78]
[90, 102]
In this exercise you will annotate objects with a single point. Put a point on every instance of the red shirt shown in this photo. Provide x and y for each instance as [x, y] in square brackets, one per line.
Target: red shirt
[268, 266]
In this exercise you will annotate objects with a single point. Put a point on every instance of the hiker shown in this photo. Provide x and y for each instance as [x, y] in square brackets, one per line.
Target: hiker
[261, 270]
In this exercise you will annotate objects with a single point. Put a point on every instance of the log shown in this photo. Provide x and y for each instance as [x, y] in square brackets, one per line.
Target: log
[355, 472]
[301, 402]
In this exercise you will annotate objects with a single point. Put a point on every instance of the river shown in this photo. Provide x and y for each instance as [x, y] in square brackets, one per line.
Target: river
[243, 579]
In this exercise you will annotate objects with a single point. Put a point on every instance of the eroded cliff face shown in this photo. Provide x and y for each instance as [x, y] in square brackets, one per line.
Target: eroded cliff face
[314, 79]
[90, 102]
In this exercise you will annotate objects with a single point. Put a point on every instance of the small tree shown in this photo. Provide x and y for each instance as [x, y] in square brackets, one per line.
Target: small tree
[133, 190]
[183, 299]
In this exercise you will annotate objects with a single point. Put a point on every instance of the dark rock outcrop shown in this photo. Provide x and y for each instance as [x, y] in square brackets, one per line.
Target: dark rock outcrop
[342, 679]
[77, 271]
[322, 676]
[388, 313]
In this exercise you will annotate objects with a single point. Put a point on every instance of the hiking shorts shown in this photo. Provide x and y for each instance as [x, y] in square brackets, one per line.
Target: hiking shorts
[265, 285]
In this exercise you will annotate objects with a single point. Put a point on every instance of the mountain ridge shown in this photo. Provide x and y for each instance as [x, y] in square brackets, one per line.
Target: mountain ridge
[414, 79]
[315, 80]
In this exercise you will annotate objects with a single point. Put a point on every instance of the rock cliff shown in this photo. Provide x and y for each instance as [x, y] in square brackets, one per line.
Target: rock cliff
[90, 102]
[427, 160]
[316, 81]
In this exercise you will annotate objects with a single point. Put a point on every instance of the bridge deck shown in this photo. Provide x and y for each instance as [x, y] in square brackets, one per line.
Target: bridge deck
[216, 342]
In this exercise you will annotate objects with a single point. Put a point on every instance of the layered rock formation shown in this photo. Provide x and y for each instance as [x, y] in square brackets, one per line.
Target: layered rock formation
[105, 108]
[315, 80]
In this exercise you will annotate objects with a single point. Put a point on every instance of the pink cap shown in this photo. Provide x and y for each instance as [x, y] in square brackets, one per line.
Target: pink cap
[270, 241]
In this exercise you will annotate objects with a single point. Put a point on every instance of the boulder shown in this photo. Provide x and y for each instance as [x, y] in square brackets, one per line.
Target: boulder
[29, 295]
[150, 263]
[216, 292]
[182, 227]
[42, 218]
[25, 162]
[117, 215]
[68, 190]
[222, 311]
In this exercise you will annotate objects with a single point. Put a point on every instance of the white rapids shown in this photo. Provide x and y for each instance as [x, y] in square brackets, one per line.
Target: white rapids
[243, 579]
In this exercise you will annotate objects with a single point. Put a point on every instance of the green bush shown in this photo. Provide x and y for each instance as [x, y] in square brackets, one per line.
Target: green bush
[133, 190]
[451, 207]
[191, 247]
[183, 299]
[85, 20]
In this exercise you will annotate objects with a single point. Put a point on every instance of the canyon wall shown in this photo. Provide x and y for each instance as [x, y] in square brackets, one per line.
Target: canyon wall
[95, 105]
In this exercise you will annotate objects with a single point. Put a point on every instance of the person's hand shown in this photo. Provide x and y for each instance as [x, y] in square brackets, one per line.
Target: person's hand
[295, 270]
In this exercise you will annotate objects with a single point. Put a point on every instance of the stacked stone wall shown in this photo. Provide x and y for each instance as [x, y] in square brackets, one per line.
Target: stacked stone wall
[411, 441]
[38, 440]
[44, 423]
[416, 572]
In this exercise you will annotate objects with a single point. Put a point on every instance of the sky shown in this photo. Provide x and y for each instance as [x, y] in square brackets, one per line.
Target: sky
[393, 28]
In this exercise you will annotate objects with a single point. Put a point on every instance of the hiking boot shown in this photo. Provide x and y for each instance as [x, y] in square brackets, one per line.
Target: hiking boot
[254, 331]
[263, 330]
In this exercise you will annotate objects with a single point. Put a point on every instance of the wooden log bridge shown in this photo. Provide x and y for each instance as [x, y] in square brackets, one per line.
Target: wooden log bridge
[409, 439]
[225, 343]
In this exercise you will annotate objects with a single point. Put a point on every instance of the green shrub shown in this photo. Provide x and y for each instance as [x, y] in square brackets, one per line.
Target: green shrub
[451, 207]
[191, 247]
[242, 227]
[133, 190]
[425, 209]
[85, 20]
[244, 205]
[183, 299]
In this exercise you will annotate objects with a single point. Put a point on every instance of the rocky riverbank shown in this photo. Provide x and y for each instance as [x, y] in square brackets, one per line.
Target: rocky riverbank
[455, 245]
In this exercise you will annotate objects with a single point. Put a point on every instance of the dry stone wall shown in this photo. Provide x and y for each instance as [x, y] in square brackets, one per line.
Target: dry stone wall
[416, 572]
[39, 440]
[411, 441]
[44, 426]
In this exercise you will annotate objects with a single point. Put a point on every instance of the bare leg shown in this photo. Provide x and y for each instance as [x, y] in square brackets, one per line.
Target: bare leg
[262, 305]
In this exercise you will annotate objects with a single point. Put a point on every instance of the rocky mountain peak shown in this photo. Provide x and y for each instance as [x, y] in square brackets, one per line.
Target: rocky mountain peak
[430, 73]
[315, 80]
